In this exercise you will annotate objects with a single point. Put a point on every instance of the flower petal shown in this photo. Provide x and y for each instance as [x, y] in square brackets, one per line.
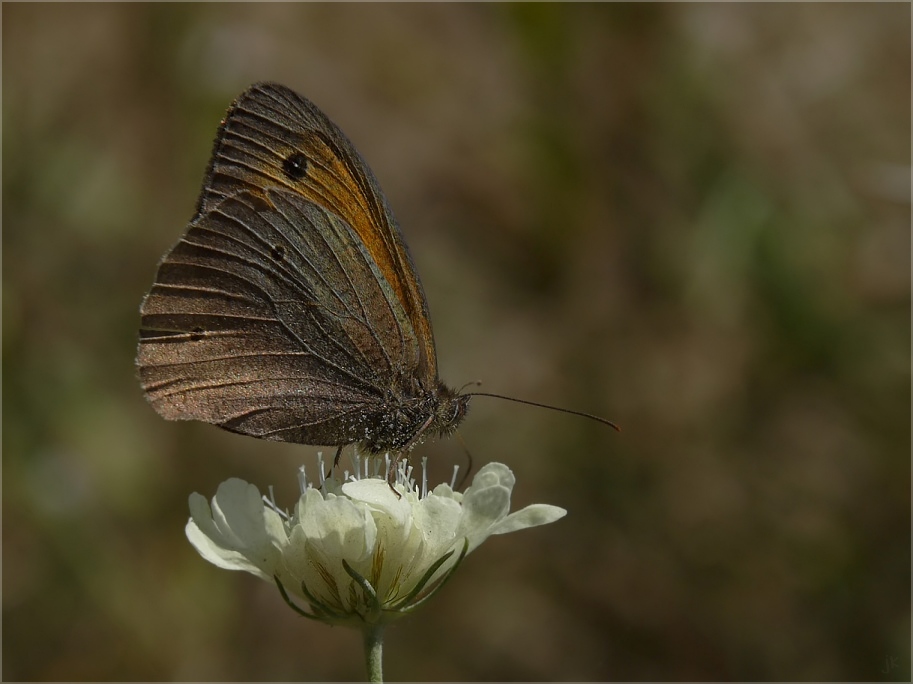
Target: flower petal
[436, 521]
[531, 516]
[485, 502]
[237, 532]
[335, 525]
[392, 514]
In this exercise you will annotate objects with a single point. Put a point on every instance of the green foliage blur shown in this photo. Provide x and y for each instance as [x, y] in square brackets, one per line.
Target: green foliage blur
[693, 219]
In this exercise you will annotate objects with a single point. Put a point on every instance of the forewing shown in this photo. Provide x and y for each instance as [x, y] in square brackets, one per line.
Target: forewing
[274, 138]
[270, 318]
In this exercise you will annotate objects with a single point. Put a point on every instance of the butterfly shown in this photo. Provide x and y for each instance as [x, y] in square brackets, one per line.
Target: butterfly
[290, 310]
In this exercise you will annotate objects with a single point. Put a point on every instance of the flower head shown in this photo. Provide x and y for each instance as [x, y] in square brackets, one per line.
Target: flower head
[357, 552]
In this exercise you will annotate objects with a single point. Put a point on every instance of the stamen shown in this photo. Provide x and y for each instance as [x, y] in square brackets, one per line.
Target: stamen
[356, 460]
[303, 483]
[424, 477]
[321, 469]
[271, 503]
[456, 469]
[402, 475]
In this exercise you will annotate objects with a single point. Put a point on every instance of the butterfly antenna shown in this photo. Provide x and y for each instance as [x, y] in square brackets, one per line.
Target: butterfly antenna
[477, 383]
[547, 406]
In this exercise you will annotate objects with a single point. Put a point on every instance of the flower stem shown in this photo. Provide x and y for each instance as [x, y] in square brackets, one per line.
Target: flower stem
[374, 652]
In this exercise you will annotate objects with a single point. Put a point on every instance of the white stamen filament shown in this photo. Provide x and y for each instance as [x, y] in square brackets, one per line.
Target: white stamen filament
[456, 469]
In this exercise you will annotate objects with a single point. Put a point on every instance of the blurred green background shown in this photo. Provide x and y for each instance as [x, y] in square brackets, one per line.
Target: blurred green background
[691, 219]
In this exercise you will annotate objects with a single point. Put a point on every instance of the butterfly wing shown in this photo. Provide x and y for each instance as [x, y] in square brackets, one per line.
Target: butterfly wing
[274, 138]
[271, 317]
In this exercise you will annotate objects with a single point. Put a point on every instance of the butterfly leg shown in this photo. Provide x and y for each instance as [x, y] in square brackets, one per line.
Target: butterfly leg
[393, 465]
[335, 461]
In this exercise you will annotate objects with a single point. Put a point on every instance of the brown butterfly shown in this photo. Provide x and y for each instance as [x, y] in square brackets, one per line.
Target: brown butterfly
[290, 310]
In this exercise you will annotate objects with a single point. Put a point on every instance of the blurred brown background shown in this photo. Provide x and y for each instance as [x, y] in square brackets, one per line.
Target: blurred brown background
[692, 219]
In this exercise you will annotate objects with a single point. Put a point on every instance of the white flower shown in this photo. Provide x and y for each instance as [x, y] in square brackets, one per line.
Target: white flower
[357, 553]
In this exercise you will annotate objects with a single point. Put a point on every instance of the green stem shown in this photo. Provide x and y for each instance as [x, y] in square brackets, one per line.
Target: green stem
[374, 652]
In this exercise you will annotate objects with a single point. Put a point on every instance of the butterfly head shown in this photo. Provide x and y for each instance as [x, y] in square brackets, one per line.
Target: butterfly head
[449, 411]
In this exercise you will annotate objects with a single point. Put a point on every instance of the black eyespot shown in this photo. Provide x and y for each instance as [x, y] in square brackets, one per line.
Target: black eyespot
[196, 334]
[278, 252]
[295, 166]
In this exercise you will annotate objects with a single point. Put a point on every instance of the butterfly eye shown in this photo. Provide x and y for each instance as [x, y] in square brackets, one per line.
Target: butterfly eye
[295, 166]
[278, 252]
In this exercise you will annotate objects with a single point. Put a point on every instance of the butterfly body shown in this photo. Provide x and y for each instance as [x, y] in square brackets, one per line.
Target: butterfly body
[290, 310]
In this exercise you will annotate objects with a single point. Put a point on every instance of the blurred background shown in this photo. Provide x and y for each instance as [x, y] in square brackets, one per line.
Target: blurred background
[691, 219]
